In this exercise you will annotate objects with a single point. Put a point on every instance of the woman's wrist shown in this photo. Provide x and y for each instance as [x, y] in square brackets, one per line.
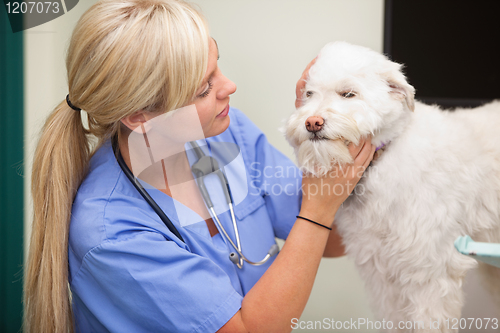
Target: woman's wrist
[324, 217]
[314, 222]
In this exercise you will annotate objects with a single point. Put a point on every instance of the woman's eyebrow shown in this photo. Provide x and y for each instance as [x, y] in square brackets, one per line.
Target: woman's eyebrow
[217, 45]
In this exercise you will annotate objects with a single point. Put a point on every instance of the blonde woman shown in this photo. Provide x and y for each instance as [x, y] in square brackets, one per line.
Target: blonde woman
[101, 259]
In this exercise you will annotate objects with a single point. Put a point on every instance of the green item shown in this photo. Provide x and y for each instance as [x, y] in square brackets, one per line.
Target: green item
[485, 252]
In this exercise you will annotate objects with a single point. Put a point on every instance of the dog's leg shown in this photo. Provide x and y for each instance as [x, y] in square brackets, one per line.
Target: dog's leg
[382, 293]
[433, 307]
[384, 297]
[417, 308]
[414, 298]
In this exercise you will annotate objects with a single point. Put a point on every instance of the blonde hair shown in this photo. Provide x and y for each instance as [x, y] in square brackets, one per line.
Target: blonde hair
[124, 56]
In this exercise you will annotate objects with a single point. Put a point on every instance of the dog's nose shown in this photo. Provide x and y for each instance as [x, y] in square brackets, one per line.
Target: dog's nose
[314, 124]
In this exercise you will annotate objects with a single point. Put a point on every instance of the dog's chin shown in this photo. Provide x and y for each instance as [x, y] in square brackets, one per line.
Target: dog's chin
[317, 156]
[317, 138]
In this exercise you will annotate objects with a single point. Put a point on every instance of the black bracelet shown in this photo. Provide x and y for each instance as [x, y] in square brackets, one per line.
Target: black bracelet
[321, 225]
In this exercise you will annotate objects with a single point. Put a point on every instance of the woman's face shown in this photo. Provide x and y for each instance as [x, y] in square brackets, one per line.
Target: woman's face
[212, 98]
[204, 117]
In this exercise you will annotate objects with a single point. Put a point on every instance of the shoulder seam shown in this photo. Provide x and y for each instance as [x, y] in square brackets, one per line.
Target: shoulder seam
[120, 174]
[107, 241]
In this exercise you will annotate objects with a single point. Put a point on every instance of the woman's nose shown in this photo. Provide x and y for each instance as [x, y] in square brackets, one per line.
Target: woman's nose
[228, 88]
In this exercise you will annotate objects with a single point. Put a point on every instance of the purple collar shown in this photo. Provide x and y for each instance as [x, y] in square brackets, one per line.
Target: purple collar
[382, 145]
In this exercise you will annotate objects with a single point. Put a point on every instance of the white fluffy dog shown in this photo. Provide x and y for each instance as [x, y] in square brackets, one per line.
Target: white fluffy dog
[438, 178]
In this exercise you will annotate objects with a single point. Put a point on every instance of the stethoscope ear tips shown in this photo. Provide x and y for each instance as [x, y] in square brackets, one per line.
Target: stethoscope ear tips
[234, 258]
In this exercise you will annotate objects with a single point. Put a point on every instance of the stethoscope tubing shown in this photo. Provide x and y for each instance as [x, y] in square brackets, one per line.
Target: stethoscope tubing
[161, 214]
[210, 165]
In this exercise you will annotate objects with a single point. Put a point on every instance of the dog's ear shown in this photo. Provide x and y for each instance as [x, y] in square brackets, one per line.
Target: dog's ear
[400, 89]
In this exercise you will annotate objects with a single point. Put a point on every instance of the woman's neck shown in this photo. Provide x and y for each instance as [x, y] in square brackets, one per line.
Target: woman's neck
[172, 175]
[168, 166]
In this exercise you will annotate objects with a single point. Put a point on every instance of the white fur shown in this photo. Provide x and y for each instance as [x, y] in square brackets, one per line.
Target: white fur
[438, 178]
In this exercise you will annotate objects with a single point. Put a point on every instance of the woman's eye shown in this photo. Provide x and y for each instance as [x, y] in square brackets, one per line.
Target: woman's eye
[309, 93]
[348, 94]
[207, 91]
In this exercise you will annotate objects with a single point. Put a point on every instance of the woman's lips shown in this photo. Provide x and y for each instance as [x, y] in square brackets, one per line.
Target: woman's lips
[224, 112]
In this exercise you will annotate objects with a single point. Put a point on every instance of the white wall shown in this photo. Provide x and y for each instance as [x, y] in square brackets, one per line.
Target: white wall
[264, 47]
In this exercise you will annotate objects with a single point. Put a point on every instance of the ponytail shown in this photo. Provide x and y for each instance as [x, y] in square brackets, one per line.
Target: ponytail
[59, 165]
[111, 76]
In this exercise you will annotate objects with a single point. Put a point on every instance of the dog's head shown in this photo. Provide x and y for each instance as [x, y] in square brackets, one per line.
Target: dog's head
[351, 92]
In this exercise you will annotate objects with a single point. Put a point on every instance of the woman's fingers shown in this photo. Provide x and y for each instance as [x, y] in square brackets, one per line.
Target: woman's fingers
[365, 153]
[356, 150]
[301, 84]
[362, 155]
[370, 157]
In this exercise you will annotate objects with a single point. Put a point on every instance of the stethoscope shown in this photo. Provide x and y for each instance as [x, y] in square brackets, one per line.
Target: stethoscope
[203, 167]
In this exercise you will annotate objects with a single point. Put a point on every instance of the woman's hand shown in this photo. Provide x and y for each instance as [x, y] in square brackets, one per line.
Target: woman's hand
[299, 88]
[322, 196]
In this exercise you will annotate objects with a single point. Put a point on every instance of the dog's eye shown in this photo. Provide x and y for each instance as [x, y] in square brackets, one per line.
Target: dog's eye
[348, 94]
[309, 93]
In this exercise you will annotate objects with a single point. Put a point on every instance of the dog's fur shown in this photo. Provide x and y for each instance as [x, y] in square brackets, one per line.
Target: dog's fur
[438, 178]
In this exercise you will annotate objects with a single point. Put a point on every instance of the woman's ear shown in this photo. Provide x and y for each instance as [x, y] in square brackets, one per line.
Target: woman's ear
[134, 120]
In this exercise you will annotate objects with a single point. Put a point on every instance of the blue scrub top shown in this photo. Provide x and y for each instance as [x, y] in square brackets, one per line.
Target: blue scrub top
[129, 273]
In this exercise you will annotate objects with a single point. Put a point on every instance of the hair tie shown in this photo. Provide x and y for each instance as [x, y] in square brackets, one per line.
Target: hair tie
[321, 225]
[71, 105]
